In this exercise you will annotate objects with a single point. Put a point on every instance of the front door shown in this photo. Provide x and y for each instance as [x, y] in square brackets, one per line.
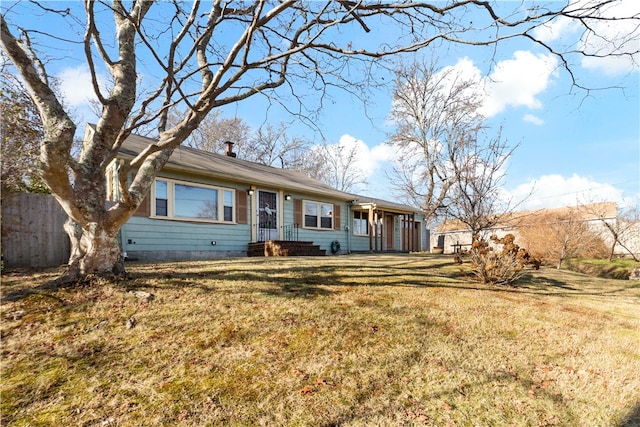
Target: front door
[388, 225]
[267, 215]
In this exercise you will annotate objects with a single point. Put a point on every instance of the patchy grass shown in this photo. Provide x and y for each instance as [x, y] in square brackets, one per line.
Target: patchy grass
[614, 269]
[350, 340]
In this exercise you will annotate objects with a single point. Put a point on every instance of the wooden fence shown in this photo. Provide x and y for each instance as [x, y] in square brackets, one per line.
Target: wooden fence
[32, 231]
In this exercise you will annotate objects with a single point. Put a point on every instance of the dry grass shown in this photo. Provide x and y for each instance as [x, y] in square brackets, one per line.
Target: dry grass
[351, 340]
[615, 269]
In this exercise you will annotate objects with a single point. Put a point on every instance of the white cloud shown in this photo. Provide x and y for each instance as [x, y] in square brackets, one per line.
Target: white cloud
[517, 82]
[553, 191]
[618, 37]
[76, 87]
[369, 159]
[602, 38]
[556, 30]
[530, 118]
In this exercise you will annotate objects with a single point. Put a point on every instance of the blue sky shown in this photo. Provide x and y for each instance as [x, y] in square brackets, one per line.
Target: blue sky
[573, 145]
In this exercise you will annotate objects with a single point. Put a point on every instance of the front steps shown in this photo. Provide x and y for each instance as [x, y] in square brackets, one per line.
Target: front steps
[284, 248]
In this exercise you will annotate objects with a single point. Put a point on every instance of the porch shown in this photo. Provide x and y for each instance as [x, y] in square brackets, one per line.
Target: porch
[284, 248]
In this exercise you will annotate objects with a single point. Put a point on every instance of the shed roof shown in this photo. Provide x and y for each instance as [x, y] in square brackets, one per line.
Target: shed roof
[193, 161]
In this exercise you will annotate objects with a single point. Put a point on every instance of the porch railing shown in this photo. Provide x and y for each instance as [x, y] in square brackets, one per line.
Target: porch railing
[290, 232]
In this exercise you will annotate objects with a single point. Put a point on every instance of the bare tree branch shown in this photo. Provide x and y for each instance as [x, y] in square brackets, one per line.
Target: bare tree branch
[196, 61]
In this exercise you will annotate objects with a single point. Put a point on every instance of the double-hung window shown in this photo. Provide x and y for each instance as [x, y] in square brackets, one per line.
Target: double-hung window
[181, 200]
[318, 215]
[161, 196]
[361, 223]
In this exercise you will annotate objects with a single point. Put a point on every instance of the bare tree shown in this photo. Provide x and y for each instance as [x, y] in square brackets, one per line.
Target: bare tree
[556, 235]
[627, 232]
[21, 131]
[212, 54]
[273, 146]
[475, 197]
[619, 224]
[436, 121]
[213, 131]
[269, 145]
[336, 165]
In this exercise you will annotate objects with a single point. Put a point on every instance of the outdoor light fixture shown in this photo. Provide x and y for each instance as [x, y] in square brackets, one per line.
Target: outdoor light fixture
[250, 191]
[287, 197]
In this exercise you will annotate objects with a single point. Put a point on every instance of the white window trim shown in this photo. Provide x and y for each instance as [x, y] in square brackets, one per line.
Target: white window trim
[366, 219]
[319, 221]
[171, 202]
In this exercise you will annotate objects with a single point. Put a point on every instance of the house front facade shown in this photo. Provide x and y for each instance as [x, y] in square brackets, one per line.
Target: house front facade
[205, 205]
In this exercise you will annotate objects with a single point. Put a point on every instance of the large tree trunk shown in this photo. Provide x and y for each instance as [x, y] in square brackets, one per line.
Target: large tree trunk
[94, 251]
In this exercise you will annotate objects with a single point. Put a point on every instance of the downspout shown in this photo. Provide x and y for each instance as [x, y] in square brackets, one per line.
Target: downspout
[348, 237]
[346, 227]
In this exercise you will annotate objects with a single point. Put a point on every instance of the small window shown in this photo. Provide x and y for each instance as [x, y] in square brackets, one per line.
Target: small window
[318, 215]
[361, 223]
[228, 205]
[326, 219]
[311, 215]
[161, 198]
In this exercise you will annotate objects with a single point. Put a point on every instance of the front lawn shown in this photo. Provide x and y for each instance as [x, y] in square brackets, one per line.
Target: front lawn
[358, 340]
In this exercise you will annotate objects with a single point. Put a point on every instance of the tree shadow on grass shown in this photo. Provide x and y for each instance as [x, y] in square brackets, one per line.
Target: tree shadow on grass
[291, 279]
[633, 418]
[285, 281]
[295, 281]
[541, 283]
[46, 289]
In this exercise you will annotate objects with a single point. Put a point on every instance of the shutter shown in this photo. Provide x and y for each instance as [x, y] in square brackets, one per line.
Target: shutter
[241, 207]
[336, 217]
[297, 212]
[145, 207]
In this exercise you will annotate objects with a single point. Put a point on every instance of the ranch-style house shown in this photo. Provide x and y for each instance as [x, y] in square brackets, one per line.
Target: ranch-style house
[205, 205]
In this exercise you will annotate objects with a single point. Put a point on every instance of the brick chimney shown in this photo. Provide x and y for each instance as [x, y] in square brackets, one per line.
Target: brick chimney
[229, 151]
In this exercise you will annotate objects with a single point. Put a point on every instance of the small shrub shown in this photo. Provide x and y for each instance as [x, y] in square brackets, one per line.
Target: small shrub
[499, 267]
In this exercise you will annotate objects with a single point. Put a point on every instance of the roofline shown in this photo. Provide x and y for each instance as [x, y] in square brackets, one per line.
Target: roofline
[175, 166]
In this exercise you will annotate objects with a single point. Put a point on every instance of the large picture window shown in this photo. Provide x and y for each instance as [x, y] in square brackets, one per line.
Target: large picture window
[318, 215]
[195, 202]
[180, 200]
[361, 223]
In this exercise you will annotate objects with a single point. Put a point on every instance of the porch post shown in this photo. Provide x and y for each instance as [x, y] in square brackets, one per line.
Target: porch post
[371, 228]
[410, 231]
[405, 236]
[414, 240]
